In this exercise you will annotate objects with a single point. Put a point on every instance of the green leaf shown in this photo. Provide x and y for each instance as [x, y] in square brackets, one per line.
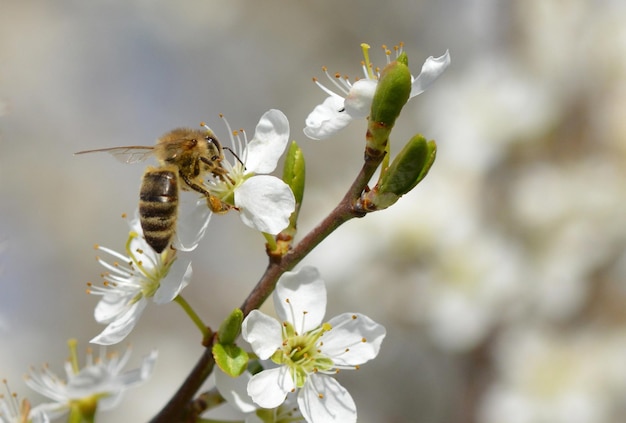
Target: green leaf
[232, 359]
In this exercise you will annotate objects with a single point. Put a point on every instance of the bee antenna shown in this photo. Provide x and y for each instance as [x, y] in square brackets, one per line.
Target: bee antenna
[235, 155]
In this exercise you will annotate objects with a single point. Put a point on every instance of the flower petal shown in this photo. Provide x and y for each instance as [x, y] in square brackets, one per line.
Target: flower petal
[112, 305]
[359, 100]
[235, 390]
[265, 203]
[300, 298]
[139, 375]
[270, 139]
[176, 280]
[118, 329]
[191, 225]
[323, 399]
[263, 333]
[327, 119]
[354, 339]
[269, 388]
[431, 70]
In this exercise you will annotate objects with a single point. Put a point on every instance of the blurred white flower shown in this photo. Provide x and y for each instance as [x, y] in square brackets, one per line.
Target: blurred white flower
[355, 99]
[265, 202]
[557, 376]
[129, 283]
[14, 411]
[307, 350]
[99, 384]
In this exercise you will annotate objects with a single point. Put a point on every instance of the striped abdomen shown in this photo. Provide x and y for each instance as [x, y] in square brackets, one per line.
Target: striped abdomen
[158, 207]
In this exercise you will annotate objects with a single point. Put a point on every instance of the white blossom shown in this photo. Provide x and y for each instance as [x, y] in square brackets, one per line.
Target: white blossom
[264, 202]
[354, 100]
[101, 380]
[307, 351]
[131, 281]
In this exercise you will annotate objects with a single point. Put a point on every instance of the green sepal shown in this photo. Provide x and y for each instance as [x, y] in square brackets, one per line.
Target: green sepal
[231, 359]
[409, 167]
[230, 327]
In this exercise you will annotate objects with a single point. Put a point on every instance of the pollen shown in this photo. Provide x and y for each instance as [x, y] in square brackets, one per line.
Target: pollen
[321, 396]
[124, 215]
[363, 340]
[95, 247]
[354, 316]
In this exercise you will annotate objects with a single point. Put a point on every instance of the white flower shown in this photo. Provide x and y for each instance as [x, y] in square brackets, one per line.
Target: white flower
[14, 411]
[307, 350]
[234, 391]
[265, 202]
[100, 383]
[131, 281]
[355, 99]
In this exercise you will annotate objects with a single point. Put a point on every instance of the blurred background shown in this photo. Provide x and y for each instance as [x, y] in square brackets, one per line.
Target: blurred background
[501, 279]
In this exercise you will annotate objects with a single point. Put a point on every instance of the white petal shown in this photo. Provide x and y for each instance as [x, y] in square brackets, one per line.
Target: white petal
[359, 100]
[300, 298]
[235, 390]
[175, 281]
[270, 139]
[49, 411]
[265, 203]
[117, 330]
[192, 223]
[134, 377]
[327, 119]
[111, 306]
[263, 333]
[269, 388]
[431, 70]
[323, 399]
[344, 342]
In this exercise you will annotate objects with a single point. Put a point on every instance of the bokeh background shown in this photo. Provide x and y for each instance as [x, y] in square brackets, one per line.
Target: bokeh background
[501, 279]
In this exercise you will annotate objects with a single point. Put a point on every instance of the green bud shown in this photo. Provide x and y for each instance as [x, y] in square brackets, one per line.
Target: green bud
[294, 171]
[232, 359]
[392, 93]
[230, 327]
[408, 168]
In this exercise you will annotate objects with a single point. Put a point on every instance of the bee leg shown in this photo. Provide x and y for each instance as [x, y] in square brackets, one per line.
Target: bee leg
[215, 204]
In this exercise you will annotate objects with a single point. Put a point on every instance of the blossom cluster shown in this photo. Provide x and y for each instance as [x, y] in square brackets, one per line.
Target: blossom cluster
[297, 353]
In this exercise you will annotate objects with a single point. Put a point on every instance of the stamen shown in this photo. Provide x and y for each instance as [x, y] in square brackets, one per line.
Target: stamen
[365, 48]
[72, 345]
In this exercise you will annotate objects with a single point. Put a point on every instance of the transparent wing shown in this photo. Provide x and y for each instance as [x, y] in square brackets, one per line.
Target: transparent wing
[129, 155]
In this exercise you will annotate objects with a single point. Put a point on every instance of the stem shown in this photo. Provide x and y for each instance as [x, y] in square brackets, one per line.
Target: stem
[347, 209]
[178, 408]
[193, 316]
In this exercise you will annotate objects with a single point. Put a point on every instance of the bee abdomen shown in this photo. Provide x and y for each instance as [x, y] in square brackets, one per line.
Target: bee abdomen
[158, 207]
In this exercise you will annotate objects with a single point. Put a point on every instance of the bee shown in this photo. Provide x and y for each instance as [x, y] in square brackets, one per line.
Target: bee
[186, 157]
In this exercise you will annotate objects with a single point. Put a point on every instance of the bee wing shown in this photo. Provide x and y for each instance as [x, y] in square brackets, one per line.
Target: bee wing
[129, 155]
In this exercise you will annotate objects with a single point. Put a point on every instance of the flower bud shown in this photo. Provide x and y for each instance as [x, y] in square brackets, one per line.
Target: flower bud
[392, 93]
[408, 168]
[294, 172]
[230, 327]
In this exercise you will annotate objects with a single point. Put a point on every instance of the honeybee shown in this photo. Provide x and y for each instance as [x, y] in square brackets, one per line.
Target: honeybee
[186, 156]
